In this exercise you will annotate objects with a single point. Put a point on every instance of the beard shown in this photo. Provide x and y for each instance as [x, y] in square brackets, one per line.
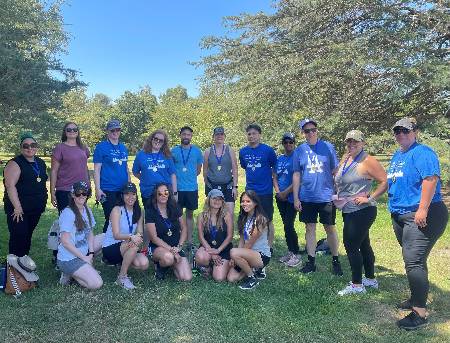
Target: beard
[185, 141]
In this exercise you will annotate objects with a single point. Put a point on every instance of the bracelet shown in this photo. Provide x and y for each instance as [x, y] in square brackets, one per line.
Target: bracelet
[235, 186]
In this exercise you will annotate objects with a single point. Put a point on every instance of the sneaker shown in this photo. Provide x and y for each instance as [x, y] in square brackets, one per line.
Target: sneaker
[286, 257]
[309, 267]
[260, 274]
[65, 279]
[160, 273]
[294, 261]
[125, 282]
[352, 289]
[412, 321]
[371, 283]
[405, 305]
[249, 283]
[337, 270]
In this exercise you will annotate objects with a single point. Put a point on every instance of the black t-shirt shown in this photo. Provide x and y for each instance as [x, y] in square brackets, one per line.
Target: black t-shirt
[167, 229]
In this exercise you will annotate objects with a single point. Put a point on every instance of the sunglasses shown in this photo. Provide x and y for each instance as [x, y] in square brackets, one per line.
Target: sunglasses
[157, 140]
[288, 142]
[403, 130]
[313, 130]
[30, 146]
[71, 129]
[84, 194]
[163, 193]
[115, 130]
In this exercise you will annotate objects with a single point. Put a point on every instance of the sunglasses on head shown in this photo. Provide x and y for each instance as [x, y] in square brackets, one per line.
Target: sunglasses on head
[71, 129]
[79, 194]
[313, 130]
[403, 130]
[115, 130]
[163, 193]
[30, 146]
[288, 142]
[157, 140]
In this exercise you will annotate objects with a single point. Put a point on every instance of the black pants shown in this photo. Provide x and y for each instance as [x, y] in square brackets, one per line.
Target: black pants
[357, 242]
[62, 198]
[111, 200]
[20, 233]
[288, 214]
[416, 245]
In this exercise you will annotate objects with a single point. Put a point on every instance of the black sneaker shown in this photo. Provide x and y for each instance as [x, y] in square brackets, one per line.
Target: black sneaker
[260, 274]
[337, 270]
[249, 283]
[412, 322]
[405, 305]
[160, 273]
[309, 267]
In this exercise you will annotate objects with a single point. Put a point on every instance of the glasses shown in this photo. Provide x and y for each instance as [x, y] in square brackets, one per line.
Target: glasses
[115, 130]
[30, 146]
[163, 193]
[71, 129]
[288, 142]
[84, 194]
[158, 140]
[403, 130]
[313, 130]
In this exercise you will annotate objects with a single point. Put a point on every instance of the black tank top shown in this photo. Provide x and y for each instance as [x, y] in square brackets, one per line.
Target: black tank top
[32, 194]
[218, 239]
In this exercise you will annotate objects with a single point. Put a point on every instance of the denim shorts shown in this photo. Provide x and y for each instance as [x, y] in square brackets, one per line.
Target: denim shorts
[70, 267]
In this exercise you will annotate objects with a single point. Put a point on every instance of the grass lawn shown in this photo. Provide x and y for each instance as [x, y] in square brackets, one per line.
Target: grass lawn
[286, 307]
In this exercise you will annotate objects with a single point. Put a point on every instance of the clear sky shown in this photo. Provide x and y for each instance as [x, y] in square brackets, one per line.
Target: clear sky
[120, 45]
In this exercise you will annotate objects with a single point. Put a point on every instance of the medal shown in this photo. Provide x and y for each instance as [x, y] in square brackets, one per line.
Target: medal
[214, 242]
[219, 167]
[36, 170]
[169, 232]
[184, 169]
[213, 232]
[185, 161]
[38, 179]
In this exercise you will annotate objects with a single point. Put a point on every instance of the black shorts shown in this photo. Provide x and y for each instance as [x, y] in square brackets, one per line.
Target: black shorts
[112, 253]
[188, 200]
[265, 259]
[226, 189]
[225, 254]
[267, 205]
[325, 210]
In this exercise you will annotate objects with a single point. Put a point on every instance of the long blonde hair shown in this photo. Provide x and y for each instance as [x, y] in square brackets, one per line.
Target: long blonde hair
[205, 216]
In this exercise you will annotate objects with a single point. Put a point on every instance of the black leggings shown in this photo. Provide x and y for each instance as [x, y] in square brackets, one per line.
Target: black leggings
[20, 233]
[111, 200]
[288, 214]
[357, 242]
[416, 245]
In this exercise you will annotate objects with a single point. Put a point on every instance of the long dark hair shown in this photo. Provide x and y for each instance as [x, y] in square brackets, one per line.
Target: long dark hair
[261, 221]
[78, 139]
[172, 207]
[136, 208]
[164, 148]
[79, 221]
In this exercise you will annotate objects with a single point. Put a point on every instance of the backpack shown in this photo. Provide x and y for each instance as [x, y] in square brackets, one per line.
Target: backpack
[53, 236]
[322, 247]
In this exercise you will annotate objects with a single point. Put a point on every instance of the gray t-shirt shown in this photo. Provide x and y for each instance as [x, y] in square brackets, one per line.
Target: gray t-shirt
[78, 238]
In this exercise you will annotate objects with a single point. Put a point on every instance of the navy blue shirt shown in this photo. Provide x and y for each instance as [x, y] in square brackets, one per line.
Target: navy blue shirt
[258, 164]
[114, 172]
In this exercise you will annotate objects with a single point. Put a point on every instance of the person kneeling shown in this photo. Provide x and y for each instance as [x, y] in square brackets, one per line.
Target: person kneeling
[215, 232]
[167, 230]
[253, 252]
[77, 241]
[123, 236]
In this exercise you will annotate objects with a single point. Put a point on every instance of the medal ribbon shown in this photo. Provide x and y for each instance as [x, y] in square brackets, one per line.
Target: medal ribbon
[247, 226]
[166, 221]
[182, 155]
[212, 230]
[35, 167]
[130, 225]
[218, 159]
[344, 169]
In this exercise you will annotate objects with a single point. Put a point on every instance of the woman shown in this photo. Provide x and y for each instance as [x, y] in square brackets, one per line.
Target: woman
[167, 231]
[69, 164]
[25, 198]
[353, 184]
[154, 164]
[77, 241]
[215, 233]
[123, 238]
[110, 169]
[220, 169]
[282, 183]
[419, 216]
[253, 251]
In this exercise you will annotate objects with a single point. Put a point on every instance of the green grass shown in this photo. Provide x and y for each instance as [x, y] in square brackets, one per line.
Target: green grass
[286, 307]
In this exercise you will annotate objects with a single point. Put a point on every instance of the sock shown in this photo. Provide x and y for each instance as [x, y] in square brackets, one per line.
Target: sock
[311, 259]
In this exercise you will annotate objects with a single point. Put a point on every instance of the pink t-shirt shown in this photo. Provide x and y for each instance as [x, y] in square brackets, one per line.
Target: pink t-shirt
[73, 165]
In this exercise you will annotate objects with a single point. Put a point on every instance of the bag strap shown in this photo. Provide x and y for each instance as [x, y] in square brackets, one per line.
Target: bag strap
[14, 283]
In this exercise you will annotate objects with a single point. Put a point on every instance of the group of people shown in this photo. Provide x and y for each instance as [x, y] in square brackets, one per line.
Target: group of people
[309, 179]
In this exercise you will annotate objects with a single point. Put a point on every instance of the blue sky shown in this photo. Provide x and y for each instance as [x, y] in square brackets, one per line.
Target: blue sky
[120, 45]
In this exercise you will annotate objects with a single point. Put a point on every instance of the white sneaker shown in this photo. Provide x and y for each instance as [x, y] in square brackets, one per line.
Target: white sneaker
[65, 279]
[286, 257]
[372, 283]
[294, 261]
[125, 282]
[352, 289]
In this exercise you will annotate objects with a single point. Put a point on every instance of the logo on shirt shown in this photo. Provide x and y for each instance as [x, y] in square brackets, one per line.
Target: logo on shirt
[395, 170]
[314, 165]
[253, 162]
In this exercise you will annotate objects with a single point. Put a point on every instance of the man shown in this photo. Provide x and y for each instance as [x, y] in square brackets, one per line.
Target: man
[188, 161]
[314, 164]
[110, 169]
[259, 161]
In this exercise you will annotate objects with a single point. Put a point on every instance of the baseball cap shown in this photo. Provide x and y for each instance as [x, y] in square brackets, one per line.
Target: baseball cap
[407, 123]
[306, 121]
[356, 135]
[288, 135]
[113, 124]
[130, 187]
[218, 130]
[215, 193]
[80, 186]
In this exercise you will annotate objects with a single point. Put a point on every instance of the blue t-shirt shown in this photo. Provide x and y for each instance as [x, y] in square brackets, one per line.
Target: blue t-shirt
[315, 164]
[187, 171]
[405, 175]
[154, 169]
[114, 173]
[258, 164]
[284, 174]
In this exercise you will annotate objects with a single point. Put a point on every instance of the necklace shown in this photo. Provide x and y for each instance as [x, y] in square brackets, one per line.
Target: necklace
[346, 169]
[130, 224]
[213, 232]
[187, 158]
[167, 223]
[218, 159]
[36, 170]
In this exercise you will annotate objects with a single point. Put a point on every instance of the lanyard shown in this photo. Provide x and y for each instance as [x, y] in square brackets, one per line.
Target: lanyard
[247, 226]
[182, 155]
[212, 230]
[344, 169]
[35, 167]
[130, 225]
[166, 221]
[219, 159]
